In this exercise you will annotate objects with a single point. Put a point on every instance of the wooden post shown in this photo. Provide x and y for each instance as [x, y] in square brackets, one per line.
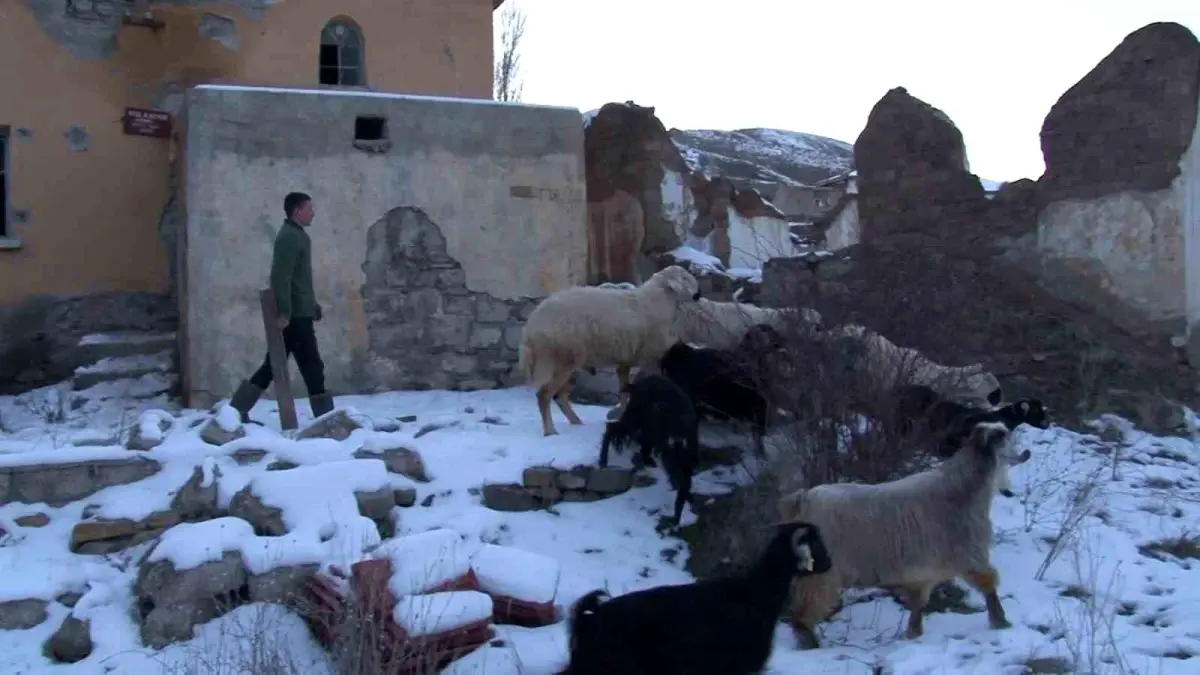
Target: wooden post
[278, 356]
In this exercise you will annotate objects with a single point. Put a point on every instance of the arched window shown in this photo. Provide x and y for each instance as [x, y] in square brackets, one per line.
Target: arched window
[341, 55]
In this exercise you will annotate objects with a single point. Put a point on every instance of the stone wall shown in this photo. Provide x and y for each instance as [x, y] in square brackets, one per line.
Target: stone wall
[1126, 246]
[1103, 227]
[1111, 229]
[430, 242]
[1190, 216]
[426, 329]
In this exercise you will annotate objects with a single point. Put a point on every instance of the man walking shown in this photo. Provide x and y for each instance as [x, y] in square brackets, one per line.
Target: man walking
[291, 280]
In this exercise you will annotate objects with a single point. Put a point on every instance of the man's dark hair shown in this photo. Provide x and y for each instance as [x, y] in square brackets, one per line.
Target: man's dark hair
[292, 201]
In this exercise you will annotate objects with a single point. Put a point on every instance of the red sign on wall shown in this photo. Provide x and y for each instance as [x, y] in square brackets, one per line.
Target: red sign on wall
[146, 122]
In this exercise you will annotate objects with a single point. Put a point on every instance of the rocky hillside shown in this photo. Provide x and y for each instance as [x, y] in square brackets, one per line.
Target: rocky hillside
[752, 156]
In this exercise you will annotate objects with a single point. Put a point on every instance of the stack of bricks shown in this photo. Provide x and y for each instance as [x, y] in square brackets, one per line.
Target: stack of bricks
[370, 608]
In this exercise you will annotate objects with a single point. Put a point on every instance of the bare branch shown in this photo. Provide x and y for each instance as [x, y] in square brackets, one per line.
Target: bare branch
[506, 78]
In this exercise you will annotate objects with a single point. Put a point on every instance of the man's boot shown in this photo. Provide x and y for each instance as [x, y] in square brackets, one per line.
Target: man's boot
[320, 404]
[244, 399]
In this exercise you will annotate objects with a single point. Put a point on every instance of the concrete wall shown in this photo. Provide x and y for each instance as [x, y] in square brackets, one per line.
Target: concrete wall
[428, 252]
[1126, 247]
[88, 199]
[802, 202]
[844, 230]
[1189, 194]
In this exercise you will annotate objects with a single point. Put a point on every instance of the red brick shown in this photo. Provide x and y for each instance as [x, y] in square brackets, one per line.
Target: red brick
[522, 612]
[442, 648]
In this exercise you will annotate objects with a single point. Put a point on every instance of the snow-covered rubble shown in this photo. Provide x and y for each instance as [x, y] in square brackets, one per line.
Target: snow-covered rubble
[1095, 551]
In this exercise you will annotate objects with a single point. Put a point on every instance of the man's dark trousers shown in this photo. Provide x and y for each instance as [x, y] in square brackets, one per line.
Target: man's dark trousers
[300, 342]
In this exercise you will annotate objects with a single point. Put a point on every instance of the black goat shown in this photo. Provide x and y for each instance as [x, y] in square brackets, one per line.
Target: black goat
[953, 421]
[726, 384]
[720, 626]
[660, 417]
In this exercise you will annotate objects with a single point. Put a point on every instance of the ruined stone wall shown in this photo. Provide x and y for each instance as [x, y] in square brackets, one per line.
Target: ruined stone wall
[1103, 227]
[430, 246]
[90, 206]
[805, 202]
[1110, 232]
[1190, 215]
[1126, 246]
[644, 200]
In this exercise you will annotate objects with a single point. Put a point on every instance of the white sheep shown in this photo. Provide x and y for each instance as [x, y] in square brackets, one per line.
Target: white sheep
[892, 365]
[721, 325]
[586, 326]
[907, 535]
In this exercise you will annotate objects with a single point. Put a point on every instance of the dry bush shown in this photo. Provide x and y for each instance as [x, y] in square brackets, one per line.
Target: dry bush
[836, 421]
[258, 639]
[362, 637]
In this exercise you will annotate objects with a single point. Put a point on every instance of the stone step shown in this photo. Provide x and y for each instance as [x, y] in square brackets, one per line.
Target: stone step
[123, 368]
[145, 387]
[99, 346]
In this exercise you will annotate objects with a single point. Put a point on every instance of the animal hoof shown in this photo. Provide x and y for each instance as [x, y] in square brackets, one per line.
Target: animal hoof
[1008, 493]
[805, 640]
[912, 635]
[1000, 624]
[576, 423]
[551, 432]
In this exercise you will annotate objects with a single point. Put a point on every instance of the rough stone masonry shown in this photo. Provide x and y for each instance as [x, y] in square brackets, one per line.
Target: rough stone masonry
[425, 329]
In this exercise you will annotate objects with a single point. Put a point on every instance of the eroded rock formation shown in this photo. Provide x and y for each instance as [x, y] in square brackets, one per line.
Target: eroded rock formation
[913, 175]
[1128, 122]
[1111, 230]
[1082, 270]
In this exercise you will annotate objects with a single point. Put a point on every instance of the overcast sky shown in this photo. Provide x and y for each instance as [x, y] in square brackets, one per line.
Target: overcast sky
[819, 67]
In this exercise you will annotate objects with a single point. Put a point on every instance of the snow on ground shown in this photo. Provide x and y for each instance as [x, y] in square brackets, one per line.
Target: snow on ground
[1084, 549]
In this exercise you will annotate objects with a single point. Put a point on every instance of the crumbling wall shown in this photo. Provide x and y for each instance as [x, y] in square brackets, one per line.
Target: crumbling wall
[426, 329]
[88, 28]
[430, 243]
[1111, 226]
[644, 200]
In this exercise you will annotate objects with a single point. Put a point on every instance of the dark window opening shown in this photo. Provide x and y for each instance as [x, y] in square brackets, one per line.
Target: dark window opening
[4, 232]
[341, 57]
[370, 128]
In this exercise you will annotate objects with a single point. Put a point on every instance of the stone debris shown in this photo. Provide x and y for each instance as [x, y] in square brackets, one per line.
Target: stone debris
[61, 484]
[404, 461]
[22, 614]
[336, 425]
[71, 643]
[214, 434]
[544, 486]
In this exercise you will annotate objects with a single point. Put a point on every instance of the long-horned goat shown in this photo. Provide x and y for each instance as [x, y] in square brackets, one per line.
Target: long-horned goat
[908, 534]
[661, 418]
[591, 326]
[719, 626]
[951, 422]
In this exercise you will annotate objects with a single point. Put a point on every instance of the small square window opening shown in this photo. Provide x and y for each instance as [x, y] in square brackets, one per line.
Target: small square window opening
[370, 128]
